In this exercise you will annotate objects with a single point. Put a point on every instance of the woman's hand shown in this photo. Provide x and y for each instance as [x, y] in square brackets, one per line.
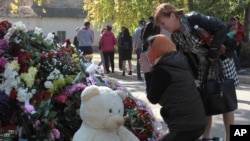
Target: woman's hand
[146, 66]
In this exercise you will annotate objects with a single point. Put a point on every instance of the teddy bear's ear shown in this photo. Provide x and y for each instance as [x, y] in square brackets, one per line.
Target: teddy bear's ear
[89, 92]
[121, 93]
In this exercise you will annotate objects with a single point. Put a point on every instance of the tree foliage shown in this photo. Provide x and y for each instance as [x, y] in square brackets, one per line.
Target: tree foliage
[127, 13]
[222, 9]
[119, 12]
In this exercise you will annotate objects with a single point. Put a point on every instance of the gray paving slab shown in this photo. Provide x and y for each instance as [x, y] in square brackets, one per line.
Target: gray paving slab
[242, 114]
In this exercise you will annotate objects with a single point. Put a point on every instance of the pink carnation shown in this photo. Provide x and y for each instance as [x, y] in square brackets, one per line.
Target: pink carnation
[29, 108]
[55, 133]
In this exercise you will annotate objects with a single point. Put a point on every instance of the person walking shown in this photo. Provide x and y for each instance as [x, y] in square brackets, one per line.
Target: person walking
[107, 43]
[137, 47]
[181, 27]
[85, 38]
[182, 108]
[119, 44]
[126, 50]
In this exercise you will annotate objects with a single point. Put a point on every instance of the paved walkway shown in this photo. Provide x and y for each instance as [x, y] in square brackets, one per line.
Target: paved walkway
[242, 114]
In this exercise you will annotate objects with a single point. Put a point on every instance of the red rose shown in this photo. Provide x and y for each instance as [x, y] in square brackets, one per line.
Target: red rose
[13, 94]
[129, 103]
[61, 98]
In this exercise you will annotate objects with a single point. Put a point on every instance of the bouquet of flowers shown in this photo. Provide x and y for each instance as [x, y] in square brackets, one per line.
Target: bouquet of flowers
[35, 76]
[41, 84]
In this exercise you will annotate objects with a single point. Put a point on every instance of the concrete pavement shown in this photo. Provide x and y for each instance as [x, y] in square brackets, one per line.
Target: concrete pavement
[242, 114]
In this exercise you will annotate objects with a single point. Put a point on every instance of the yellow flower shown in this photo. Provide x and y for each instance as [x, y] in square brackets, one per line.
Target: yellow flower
[32, 71]
[29, 77]
[14, 64]
[29, 80]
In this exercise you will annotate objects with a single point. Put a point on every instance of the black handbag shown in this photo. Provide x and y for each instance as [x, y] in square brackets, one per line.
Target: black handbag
[219, 97]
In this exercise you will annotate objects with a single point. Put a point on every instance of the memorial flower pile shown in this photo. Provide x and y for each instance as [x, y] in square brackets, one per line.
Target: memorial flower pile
[41, 84]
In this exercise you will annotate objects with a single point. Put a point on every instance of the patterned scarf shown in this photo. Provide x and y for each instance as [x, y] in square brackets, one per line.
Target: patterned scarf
[188, 42]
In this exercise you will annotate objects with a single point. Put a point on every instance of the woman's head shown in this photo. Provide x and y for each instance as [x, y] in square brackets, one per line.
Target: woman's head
[167, 17]
[103, 30]
[109, 27]
[126, 32]
[158, 46]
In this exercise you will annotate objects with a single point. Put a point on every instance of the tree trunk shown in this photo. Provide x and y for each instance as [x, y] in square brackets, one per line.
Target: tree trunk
[247, 24]
[190, 5]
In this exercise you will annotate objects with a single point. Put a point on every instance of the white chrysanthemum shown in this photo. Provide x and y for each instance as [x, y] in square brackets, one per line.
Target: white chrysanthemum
[49, 39]
[22, 95]
[11, 79]
[33, 91]
[8, 72]
[38, 31]
[10, 32]
[20, 26]
[55, 74]
[17, 40]
[54, 61]
[50, 77]
[48, 84]
[56, 71]
[29, 95]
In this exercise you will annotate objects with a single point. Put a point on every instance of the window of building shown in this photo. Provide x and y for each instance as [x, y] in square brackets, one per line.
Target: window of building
[61, 36]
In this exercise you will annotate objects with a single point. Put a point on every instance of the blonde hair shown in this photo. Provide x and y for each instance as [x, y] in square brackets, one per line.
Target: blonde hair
[165, 10]
[160, 46]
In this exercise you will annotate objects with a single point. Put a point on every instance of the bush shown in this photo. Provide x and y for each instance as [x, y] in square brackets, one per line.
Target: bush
[245, 55]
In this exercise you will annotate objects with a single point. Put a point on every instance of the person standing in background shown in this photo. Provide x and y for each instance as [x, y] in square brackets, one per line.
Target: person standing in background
[85, 38]
[101, 54]
[236, 30]
[150, 29]
[137, 47]
[119, 44]
[239, 35]
[107, 43]
[75, 41]
[232, 33]
[126, 50]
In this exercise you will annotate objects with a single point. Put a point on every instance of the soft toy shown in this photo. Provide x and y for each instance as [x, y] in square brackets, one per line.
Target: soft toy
[102, 112]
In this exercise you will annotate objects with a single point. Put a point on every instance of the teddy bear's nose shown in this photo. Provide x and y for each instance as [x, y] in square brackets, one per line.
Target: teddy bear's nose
[120, 122]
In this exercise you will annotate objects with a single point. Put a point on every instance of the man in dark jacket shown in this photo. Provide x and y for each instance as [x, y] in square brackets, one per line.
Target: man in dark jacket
[149, 30]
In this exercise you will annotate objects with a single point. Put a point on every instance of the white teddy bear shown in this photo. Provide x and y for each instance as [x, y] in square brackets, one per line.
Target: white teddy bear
[102, 112]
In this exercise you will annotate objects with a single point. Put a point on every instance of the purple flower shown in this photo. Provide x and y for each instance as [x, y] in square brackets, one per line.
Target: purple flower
[3, 62]
[4, 46]
[36, 124]
[75, 87]
[3, 97]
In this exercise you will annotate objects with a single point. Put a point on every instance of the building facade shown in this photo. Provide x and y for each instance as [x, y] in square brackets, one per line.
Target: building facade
[59, 16]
